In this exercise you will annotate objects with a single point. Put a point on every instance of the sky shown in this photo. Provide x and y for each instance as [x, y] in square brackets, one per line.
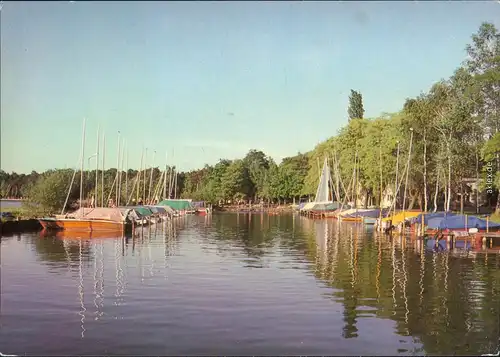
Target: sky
[194, 82]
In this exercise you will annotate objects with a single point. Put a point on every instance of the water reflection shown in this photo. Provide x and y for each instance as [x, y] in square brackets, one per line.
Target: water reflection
[81, 290]
[429, 291]
[266, 284]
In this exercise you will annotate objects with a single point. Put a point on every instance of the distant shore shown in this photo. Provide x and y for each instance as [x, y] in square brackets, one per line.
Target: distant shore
[257, 208]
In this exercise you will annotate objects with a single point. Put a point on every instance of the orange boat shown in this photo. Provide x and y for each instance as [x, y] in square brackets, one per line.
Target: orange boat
[91, 219]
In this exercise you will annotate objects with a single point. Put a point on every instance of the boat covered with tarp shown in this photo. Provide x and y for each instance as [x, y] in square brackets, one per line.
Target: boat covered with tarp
[366, 215]
[159, 210]
[178, 204]
[92, 219]
[145, 214]
[198, 204]
[399, 217]
[460, 222]
[429, 216]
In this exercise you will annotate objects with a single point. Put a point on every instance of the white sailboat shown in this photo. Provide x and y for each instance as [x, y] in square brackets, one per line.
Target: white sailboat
[323, 200]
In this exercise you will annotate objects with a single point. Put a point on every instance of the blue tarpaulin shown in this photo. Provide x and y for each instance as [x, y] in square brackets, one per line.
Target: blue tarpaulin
[430, 216]
[459, 222]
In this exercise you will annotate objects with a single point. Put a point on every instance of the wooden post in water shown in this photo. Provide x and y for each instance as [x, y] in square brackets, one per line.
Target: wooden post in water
[487, 224]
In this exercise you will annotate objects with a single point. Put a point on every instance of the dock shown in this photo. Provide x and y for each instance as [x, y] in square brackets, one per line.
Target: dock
[479, 240]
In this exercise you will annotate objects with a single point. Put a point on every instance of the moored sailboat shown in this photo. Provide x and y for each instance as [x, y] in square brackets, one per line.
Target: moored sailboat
[110, 219]
[91, 219]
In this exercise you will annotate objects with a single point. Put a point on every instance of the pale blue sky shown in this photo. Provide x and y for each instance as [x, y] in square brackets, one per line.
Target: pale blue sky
[211, 80]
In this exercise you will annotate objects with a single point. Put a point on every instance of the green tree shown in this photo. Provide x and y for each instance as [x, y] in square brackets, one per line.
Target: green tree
[355, 109]
[49, 193]
[257, 164]
[492, 178]
[235, 181]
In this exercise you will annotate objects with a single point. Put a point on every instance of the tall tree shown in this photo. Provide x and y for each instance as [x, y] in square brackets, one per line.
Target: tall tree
[355, 109]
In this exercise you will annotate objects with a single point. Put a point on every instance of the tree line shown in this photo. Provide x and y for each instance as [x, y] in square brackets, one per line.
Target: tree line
[447, 135]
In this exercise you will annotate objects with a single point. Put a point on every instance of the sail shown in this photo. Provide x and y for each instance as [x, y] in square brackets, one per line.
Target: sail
[323, 191]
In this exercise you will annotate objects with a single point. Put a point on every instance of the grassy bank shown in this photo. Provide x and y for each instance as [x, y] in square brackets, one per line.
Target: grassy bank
[22, 212]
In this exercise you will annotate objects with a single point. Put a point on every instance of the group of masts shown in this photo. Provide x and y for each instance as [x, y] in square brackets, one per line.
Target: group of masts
[166, 187]
[351, 193]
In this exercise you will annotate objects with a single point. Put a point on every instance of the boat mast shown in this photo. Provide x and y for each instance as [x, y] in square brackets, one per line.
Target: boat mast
[407, 170]
[355, 186]
[396, 183]
[165, 178]
[117, 167]
[170, 181]
[121, 173]
[381, 178]
[102, 176]
[151, 178]
[175, 185]
[96, 201]
[139, 176]
[81, 164]
[126, 177]
[145, 177]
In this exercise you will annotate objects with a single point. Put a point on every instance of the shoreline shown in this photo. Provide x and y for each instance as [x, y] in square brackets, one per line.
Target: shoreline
[256, 209]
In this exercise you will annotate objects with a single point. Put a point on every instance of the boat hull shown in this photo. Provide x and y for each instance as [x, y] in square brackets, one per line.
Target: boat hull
[82, 225]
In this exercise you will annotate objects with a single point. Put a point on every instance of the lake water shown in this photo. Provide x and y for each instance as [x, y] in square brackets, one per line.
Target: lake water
[246, 285]
[10, 203]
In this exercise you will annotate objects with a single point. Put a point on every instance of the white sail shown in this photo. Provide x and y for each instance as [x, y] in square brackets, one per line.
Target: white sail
[323, 191]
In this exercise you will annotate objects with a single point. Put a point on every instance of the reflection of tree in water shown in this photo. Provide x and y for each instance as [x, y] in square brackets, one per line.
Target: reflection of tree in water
[449, 304]
[251, 232]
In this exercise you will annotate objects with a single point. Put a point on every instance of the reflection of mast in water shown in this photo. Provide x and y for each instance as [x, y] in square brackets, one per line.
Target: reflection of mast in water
[96, 282]
[379, 264]
[151, 262]
[351, 257]
[118, 275]
[101, 280]
[324, 246]
[445, 295]
[335, 258]
[66, 250]
[394, 274]
[350, 298]
[405, 281]
[355, 263]
[422, 275]
[80, 291]
[165, 252]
